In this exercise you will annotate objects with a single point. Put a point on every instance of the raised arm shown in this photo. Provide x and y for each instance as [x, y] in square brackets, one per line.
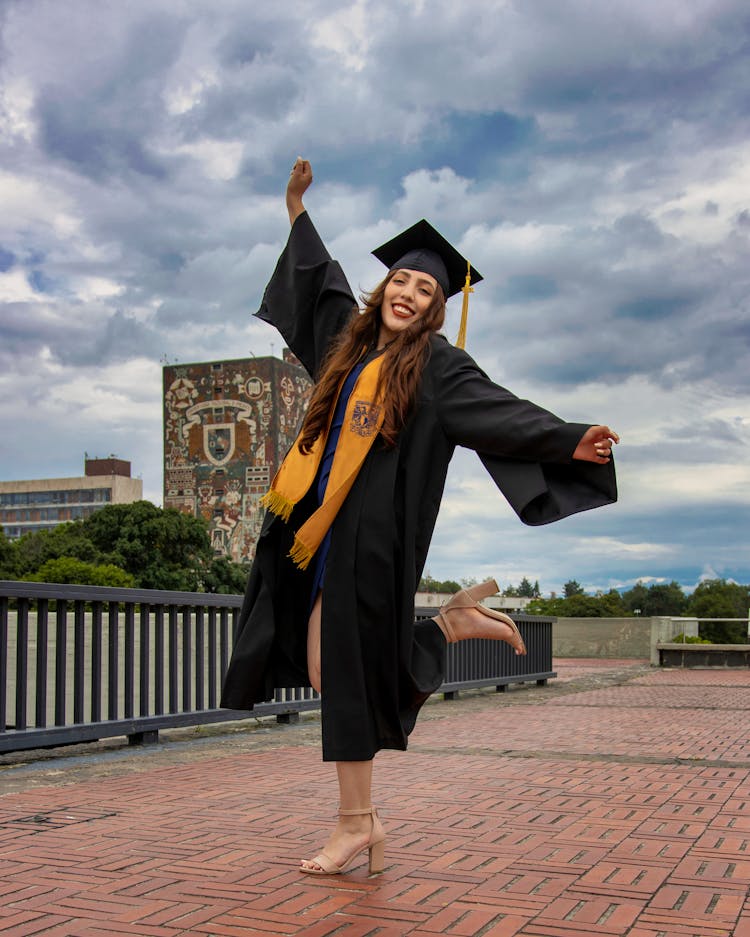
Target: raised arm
[307, 298]
[299, 182]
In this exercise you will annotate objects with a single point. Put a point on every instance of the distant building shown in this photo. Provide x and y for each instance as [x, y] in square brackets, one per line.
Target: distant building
[39, 504]
[502, 603]
[227, 426]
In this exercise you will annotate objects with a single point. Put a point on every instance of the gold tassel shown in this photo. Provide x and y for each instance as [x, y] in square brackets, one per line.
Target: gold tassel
[278, 504]
[465, 289]
[300, 554]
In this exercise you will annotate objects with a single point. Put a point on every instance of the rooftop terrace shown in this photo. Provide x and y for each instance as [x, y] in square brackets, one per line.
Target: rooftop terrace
[613, 801]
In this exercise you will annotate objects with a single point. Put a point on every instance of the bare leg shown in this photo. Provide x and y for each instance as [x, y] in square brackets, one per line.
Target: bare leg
[351, 834]
[313, 643]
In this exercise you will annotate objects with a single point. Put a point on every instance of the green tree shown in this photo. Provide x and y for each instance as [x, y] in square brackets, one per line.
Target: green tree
[572, 588]
[635, 599]
[717, 598]
[7, 557]
[225, 577]
[67, 569]
[162, 549]
[611, 604]
[525, 589]
[665, 599]
[427, 583]
[604, 605]
[580, 605]
[449, 586]
[71, 540]
[547, 607]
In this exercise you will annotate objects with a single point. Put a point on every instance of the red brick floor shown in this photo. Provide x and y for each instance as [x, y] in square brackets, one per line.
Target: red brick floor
[622, 810]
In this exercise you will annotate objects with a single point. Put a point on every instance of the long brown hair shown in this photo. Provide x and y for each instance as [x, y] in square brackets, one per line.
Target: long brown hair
[400, 373]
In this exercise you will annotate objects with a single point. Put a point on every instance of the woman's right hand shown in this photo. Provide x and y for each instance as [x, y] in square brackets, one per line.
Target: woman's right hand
[299, 181]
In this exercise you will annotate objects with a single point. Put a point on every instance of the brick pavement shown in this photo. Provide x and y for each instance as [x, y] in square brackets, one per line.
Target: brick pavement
[567, 811]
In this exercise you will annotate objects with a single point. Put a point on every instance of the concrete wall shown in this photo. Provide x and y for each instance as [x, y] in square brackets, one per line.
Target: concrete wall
[616, 637]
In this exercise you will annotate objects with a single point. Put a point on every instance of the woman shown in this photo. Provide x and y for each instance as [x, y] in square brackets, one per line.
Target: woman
[330, 599]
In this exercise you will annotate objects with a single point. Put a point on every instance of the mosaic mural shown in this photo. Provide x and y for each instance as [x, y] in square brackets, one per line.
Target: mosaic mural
[227, 426]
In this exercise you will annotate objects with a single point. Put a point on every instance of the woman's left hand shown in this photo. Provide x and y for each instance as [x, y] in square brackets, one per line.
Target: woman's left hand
[596, 445]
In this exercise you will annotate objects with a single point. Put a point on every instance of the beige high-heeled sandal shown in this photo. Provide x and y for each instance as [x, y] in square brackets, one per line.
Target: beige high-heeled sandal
[467, 598]
[375, 847]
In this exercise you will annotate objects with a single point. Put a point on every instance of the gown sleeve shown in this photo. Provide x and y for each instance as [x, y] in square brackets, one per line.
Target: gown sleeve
[527, 450]
[307, 298]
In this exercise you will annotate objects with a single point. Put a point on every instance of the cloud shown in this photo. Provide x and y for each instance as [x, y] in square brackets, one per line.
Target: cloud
[592, 162]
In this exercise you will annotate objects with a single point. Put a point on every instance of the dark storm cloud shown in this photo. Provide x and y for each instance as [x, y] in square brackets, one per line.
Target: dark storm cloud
[101, 125]
[521, 288]
[99, 148]
[7, 259]
[655, 306]
[112, 337]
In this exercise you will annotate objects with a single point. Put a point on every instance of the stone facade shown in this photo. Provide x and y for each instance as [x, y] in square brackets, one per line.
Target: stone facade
[227, 427]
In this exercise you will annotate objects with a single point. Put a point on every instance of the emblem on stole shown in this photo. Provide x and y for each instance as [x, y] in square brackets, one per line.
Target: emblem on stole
[364, 420]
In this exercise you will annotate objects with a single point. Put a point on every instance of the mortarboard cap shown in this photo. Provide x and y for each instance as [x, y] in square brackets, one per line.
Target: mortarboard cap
[423, 248]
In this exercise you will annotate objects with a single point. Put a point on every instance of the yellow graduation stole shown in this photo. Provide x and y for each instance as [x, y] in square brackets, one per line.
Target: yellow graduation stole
[363, 419]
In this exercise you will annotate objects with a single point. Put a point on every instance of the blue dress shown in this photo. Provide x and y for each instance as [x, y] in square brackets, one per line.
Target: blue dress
[325, 470]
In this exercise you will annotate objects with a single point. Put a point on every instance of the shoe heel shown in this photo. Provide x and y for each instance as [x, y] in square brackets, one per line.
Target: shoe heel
[483, 590]
[377, 857]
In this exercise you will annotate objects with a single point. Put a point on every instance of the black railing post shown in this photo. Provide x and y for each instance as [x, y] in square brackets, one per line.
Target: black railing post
[3, 662]
[40, 690]
[199, 657]
[22, 662]
[173, 660]
[186, 654]
[129, 659]
[144, 659]
[158, 659]
[79, 657]
[113, 659]
[212, 658]
[224, 643]
[96, 661]
[61, 659]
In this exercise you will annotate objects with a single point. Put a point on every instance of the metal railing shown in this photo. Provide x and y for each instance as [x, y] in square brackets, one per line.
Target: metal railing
[80, 663]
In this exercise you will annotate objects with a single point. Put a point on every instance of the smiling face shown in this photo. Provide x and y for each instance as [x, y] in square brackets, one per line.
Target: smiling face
[408, 295]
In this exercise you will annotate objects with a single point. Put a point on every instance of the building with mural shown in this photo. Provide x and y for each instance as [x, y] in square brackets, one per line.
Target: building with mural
[39, 504]
[227, 427]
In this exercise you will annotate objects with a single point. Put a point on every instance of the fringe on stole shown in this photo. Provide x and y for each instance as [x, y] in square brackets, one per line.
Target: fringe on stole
[278, 504]
[301, 554]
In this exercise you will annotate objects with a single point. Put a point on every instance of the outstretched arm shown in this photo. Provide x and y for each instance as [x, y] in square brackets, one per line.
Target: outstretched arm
[596, 445]
[299, 181]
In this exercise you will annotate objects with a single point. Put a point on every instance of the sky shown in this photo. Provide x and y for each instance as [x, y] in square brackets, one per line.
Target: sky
[591, 159]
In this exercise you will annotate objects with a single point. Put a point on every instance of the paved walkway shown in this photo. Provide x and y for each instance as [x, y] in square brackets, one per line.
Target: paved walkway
[614, 801]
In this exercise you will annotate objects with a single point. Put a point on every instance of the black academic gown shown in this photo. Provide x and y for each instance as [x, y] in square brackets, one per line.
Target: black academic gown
[377, 664]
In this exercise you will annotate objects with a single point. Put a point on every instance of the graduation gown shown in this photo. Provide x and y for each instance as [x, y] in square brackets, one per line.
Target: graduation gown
[377, 664]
